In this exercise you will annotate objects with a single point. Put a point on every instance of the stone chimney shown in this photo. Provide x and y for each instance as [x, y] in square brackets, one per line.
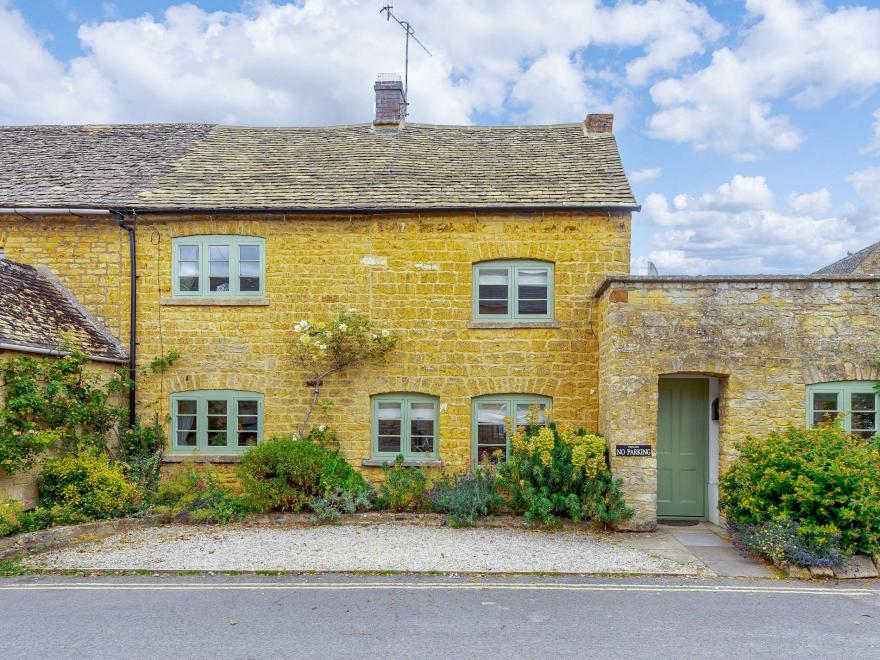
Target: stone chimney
[390, 104]
[599, 123]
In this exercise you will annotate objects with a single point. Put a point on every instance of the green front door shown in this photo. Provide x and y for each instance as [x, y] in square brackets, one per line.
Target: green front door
[682, 447]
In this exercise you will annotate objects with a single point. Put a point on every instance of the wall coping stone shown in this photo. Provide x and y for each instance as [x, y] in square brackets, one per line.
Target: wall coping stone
[735, 279]
[379, 462]
[54, 538]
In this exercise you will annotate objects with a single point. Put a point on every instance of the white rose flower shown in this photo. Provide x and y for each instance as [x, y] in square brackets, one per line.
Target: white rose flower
[385, 333]
[322, 428]
[352, 310]
[343, 327]
[322, 347]
[305, 339]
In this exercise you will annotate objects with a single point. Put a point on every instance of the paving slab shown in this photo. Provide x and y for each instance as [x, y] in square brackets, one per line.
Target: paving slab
[859, 566]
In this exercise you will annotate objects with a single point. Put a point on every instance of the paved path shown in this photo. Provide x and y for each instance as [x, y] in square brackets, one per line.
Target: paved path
[337, 616]
[710, 545]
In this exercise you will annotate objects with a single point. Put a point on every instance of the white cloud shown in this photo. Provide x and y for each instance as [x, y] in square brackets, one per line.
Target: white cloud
[875, 142]
[794, 51]
[313, 62]
[737, 228]
[643, 175]
[814, 202]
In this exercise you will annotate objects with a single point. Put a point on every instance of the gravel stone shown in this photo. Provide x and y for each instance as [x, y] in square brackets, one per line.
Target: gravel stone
[363, 548]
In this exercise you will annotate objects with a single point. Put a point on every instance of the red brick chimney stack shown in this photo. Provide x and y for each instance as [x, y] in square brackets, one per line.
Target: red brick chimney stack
[599, 123]
[390, 104]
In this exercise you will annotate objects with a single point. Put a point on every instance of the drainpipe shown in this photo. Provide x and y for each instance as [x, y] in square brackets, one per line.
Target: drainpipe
[132, 332]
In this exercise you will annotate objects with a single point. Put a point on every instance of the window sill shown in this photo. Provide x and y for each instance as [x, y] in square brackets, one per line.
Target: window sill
[216, 302]
[505, 325]
[379, 462]
[201, 458]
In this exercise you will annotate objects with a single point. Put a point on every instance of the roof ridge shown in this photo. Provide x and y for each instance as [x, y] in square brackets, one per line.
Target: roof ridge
[851, 261]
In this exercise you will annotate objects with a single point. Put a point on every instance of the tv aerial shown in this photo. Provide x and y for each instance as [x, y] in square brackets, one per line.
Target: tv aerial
[410, 33]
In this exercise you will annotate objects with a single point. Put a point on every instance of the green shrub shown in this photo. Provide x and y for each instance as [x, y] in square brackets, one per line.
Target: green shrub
[785, 544]
[558, 472]
[197, 494]
[10, 510]
[140, 449]
[467, 496]
[35, 519]
[404, 488]
[86, 486]
[329, 508]
[823, 479]
[288, 475]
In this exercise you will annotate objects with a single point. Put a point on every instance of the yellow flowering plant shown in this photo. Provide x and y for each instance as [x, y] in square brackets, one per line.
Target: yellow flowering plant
[554, 470]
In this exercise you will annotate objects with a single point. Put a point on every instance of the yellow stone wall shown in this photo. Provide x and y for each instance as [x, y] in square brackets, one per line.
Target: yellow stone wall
[765, 341]
[410, 273]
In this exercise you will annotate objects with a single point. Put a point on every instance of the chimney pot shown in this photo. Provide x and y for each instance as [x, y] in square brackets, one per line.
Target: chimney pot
[390, 104]
[599, 123]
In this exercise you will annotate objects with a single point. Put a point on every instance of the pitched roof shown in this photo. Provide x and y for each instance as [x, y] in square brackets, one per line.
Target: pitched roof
[212, 167]
[36, 312]
[852, 263]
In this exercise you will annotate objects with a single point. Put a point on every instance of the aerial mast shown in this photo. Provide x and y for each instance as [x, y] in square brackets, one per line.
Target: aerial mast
[408, 28]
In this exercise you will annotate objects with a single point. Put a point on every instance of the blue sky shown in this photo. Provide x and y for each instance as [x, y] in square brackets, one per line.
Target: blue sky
[751, 130]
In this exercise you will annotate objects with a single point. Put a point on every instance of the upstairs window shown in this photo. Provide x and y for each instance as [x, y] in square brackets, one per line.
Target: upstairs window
[219, 266]
[216, 421]
[489, 412]
[513, 291]
[405, 424]
[854, 402]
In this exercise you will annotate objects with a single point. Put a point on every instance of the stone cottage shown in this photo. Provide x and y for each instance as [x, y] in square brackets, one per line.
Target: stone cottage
[39, 316]
[499, 255]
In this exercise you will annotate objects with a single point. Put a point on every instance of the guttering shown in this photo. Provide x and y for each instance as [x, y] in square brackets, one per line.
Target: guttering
[53, 211]
[338, 210]
[132, 320]
[20, 348]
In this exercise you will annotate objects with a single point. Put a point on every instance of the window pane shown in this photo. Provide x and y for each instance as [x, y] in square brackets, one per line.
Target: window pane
[216, 422]
[491, 413]
[219, 269]
[188, 268]
[820, 417]
[388, 444]
[219, 283]
[493, 306]
[863, 421]
[249, 284]
[536, 279]
[186, 438]
[189, 253]
[389, 424]
[218, 253]
[217, 407]
[492, 290]
[188, 284]
[217, 438]
[522, 409]
[249, 253]
[421, 444]
[825, 401]
[531, 306]
[862, 401]
[249, 268]
[186, 422]
[248, 407]
[186, 407]
[421, 421]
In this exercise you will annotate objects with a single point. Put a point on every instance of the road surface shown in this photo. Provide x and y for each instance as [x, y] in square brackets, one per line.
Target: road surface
[333, 616]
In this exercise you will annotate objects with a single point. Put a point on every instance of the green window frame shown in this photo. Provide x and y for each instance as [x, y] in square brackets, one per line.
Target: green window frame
[405, 423]
[513, 290]
[216, 421]
[488, 433]
[218, 265]
[856, 402]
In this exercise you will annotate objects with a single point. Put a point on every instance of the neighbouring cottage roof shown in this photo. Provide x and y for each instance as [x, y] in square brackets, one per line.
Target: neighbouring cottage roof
[36, 312]
[168, 167]
[856, 263]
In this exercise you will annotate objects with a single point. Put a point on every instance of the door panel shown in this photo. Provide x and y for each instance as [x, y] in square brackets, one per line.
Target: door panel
[682, 447]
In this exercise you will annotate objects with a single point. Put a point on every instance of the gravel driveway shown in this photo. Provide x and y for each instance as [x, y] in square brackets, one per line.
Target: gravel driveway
[367, 548]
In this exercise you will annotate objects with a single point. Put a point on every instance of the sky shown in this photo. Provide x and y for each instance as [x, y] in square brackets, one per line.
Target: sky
[750, 130]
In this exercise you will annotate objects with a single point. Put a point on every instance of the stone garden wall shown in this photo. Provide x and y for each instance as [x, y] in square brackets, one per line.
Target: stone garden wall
[765, 339]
